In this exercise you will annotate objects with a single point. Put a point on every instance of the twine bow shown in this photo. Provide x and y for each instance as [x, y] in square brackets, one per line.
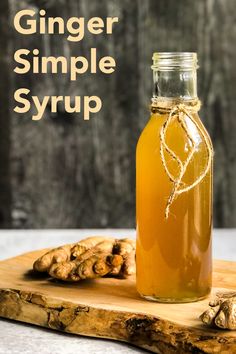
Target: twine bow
[179, 112]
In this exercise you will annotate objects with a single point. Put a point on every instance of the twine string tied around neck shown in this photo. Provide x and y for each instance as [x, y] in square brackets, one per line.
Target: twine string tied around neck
[180, 111]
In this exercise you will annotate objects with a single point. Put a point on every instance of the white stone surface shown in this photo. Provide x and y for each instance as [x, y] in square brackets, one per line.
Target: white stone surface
[17, 338]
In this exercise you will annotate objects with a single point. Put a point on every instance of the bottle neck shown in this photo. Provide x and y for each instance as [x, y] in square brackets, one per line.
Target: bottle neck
[178, 84]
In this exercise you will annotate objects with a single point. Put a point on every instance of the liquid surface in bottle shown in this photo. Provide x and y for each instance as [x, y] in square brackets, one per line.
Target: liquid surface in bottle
[173, 255]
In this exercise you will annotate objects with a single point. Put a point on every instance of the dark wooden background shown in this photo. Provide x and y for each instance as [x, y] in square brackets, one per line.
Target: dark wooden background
[63, 172]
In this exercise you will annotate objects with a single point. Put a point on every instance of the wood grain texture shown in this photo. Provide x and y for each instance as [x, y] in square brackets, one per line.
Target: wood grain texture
[207, 27]
[37, 340]
[68, 173]
[71, 173]
[111, 308]
[5, 116]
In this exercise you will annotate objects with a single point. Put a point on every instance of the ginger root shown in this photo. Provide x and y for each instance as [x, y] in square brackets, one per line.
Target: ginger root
[221, 312]
[90, 258]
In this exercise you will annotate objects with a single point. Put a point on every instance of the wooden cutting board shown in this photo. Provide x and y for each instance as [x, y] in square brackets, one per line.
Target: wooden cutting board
[111, 308]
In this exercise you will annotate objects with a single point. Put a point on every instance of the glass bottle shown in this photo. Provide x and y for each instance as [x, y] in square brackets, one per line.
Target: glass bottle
[174, 154]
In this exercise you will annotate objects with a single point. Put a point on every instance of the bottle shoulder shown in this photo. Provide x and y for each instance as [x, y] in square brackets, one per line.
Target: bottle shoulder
[154, 123]
[174, 132]
[202, 126]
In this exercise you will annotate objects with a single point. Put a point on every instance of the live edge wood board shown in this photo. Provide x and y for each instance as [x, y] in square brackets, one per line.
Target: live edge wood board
[111, 308]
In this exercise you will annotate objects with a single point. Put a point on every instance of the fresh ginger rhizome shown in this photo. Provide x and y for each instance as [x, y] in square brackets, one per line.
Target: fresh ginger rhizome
[27, 22]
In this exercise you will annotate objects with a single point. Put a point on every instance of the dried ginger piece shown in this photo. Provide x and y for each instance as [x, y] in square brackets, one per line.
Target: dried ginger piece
[221, 312]
[90, 258]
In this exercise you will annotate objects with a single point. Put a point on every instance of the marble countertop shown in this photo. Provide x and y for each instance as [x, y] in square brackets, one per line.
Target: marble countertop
[19, 338]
